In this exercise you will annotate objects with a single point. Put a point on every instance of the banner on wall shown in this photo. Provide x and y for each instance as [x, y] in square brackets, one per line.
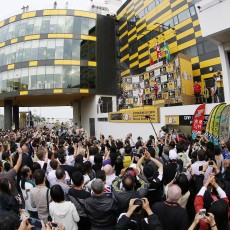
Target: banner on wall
[224, 124]
[198, 120]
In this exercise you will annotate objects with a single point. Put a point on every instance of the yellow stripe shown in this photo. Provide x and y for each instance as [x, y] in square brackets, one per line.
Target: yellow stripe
[29, 15]
[84, 14]
[2, 23]
[23, 93]
[129, 16]
[132, 30]
[92, 63]
[84, 91]
[198, 34]
[15, 40]
[143, 55]
[175, 3]
[180, 10]
[182, 24]
[140, 21]
[124, 47]
[196, 72]
[132, 38]
[125, 72]
[186, 33]
[195, 59]
[210, 62]
[133, 56]
[33, 63]
[141, 27]
[123, 25]
[196, 23]
[58, 91]
[88, 37]
[12, 19]
[31, 37]
[54, 12]
[208, 75]
[134, 64]
[144, 63]
[124, 34]
[76, 62]
[124, 58]
[142, 47]
[11, 66]
[119, 16]
[2, 44]
[187, 44]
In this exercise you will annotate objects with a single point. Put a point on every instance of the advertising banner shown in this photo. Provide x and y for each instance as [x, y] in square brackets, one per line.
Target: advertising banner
[224, 124]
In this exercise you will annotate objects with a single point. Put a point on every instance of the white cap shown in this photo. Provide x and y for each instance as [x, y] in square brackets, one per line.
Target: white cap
[172, 154]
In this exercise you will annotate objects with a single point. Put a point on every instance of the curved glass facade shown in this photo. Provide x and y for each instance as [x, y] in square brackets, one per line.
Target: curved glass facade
[48, 25]
[48, 49]
[62, 50]
[47, 77]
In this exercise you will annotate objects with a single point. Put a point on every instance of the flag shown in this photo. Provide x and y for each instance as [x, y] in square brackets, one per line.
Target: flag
[158, 50]
[198, 119]
[167, 51]
[151, 62]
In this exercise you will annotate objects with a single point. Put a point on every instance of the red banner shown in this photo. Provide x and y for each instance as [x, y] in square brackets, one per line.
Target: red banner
[198, 119]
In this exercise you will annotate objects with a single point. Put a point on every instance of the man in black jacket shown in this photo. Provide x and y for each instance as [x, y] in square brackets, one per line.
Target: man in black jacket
[138, 220]
[170, 214]
[100, 209]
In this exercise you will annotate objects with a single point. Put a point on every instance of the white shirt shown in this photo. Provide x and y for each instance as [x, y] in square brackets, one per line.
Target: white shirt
[110, 179]
[51, 177]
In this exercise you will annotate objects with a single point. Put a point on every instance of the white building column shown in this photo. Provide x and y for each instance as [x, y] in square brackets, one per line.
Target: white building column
[77, 114]
[226, 72]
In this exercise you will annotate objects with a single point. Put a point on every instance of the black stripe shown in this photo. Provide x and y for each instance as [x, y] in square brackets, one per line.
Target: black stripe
[178, 6]
[206, 69]
[123, 6]
[185, 39]
[171, 40]
[143, 50]
[209, 55]
[125, 52]
[123, 30]
[133, 60]
[200, 39]
[136, 9]
[197, 28]
[159, 14]
[144, 59]
[184, 28]
[196, 66]
[70, 12]
[197, 78]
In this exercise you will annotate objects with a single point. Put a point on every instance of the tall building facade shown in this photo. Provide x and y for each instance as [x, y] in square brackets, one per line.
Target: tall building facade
[143, 23]
[55, 57]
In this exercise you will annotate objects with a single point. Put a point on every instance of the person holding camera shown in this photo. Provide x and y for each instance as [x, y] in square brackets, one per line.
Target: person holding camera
[135, 218]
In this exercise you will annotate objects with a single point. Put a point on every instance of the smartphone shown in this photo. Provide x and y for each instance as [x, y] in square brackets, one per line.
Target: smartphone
[210, 163]
[201, 168]
[201, 213]
[36, 223]
[138, 202]
[53, 224]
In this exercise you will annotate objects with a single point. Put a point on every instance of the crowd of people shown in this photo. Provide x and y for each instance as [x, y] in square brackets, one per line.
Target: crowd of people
[62, 179]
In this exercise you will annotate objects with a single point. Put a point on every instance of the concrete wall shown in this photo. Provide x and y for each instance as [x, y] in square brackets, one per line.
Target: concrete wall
[214, 16]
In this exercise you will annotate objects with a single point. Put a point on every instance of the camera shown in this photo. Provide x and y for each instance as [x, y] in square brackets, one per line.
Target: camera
[138, 202]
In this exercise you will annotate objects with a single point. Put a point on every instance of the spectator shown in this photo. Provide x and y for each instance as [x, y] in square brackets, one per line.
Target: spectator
[63, 211]
[110, 175]
[100, 209]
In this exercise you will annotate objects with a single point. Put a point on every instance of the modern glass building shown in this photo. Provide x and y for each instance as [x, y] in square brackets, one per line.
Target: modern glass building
[55, 57]
[142, 23]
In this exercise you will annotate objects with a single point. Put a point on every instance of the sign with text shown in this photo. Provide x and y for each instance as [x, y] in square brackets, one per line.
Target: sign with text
[136, 116]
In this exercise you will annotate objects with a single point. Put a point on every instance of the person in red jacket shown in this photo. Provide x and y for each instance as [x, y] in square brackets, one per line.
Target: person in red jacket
[219, 207]
[197, 92]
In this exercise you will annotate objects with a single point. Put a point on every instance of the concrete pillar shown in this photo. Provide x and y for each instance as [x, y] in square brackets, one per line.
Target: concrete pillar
[77, 114]
[16, 116]
[226, 72]
[7, 114]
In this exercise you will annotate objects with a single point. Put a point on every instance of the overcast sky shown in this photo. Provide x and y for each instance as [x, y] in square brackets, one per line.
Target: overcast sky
[13, 7]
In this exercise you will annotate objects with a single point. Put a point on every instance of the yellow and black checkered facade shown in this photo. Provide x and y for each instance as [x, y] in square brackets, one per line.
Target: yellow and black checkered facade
[142, 23]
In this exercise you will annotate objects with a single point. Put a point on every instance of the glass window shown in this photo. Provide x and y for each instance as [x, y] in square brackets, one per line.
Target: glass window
[24, 79]
[26, 51]
[84, 26]
[92, 77]
[58, 77]
[51, 49]
[157, 2]
[22, 31]
[4, 33]
[84, 77]
[30, 26]
[75, 76]
[13, 54]
[34, 50]
[6, 55]
[10, 82]
[61, 24]
[92, 26]
[151, 5]
[32, 78]
[67, 49]
[59, 49]
[53, 24]
[17, 79]
[184, 15]
[37, 25]
[49, 82]
[77, 25]
[200, 48]
[41, 71]
[192, 10]
[11, 31]
[45, 25]
[17, 28]
[4, 82]
[1, 56]
[176, 20]
[68, 24]
[66, 82]
[42, 50]
[169, 23]
[76, 50]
